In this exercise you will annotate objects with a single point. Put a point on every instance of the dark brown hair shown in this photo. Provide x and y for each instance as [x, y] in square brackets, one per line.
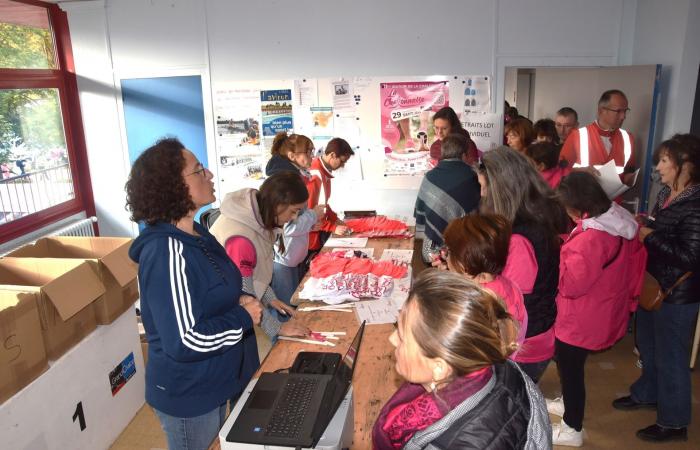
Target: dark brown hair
[156, 190]
[340, 147]
[478, 243]
[545, 153]
[297, 143]
[281, 189]
[451, 117]
[547, 128]
[582, 192]
[460, 322]
[681, 149]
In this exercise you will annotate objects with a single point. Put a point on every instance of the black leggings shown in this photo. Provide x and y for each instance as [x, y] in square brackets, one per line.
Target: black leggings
[571, 361]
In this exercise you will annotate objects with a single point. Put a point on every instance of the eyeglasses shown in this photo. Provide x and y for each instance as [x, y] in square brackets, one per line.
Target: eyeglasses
[617, 111]
[201, 172]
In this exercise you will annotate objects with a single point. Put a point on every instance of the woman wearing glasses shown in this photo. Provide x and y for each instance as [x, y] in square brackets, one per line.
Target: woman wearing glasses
[198, 319]
[292, 153]
[446, 122]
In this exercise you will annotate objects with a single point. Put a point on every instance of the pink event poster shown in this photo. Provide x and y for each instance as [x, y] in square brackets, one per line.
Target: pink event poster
[407, 110]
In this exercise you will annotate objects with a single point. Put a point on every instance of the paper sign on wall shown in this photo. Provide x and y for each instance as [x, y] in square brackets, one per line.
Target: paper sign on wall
[276, 109]
[484, 129]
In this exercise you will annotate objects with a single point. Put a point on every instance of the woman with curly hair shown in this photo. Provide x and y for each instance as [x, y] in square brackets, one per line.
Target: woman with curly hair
[199, 322]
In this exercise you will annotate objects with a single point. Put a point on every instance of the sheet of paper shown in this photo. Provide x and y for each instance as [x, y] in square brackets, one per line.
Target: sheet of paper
[395, 254]
[609, 180]
[369, 251]
[349, 242]
[386, 310]
[377, 311]
[306, 92]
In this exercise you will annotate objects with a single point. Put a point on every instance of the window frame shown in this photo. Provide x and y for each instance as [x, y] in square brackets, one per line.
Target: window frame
[64, 79]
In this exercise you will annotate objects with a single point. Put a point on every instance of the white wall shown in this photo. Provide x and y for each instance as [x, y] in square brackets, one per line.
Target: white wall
[273, 39]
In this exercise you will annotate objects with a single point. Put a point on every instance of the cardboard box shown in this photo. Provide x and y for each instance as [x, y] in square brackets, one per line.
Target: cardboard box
[108, 256]
[63, 290]
[85, 399]
[22, 355]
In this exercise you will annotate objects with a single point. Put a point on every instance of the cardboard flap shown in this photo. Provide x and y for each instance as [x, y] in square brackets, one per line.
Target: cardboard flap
[74, 290]
[120, 265]
[38, 249]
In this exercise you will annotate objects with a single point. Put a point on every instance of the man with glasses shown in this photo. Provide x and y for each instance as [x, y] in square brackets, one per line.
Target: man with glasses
[603, 140]
[565, 121]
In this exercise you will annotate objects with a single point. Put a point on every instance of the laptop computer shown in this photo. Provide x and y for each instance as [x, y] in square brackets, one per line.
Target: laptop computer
[293, 409]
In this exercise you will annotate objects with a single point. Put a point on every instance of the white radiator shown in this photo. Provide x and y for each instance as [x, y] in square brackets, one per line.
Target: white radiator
[78, 227]
[81, 227]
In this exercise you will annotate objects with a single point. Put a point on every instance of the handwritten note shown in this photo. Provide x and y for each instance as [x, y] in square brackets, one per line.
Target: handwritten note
[346, 242]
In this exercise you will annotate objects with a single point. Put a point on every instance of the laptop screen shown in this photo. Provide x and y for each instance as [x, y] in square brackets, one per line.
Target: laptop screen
[347, 365]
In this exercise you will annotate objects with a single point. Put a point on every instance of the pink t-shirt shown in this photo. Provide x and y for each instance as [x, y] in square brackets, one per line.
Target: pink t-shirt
[513, 298]
[521, 269]
[242, 252]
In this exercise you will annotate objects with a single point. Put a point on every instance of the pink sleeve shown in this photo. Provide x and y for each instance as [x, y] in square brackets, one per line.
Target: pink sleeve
[521, 266]
[242, 253]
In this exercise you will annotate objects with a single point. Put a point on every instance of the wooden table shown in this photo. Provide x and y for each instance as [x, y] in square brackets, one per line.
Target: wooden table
[375, 378]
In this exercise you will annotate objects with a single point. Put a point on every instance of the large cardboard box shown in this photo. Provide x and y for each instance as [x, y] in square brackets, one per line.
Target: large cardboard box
[85, 399]
[108, 256]
[63, 290]
[22, 355]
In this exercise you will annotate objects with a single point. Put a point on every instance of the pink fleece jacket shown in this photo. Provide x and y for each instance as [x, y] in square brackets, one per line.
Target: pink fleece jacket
[601, 271]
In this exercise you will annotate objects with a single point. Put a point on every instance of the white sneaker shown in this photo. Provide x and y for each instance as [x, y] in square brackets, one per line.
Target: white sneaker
[556, 406]
[562, 434]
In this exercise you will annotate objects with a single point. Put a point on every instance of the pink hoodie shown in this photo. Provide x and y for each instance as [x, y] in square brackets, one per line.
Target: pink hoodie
[601, 271]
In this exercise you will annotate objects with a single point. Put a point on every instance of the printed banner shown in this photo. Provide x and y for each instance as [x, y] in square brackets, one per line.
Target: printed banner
[276, 109]
[406, 128]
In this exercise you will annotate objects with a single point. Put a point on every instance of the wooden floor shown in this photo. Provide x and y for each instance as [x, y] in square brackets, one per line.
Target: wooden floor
[608, 375]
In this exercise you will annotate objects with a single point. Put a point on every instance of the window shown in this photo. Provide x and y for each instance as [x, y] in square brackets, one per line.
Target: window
[45, 176]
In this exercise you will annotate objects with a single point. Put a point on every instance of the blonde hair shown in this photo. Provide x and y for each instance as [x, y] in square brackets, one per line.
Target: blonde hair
[465, 325]
[296, 143]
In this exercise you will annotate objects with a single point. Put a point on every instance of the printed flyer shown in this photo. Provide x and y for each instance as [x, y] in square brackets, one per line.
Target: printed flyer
[406, 123]
[241, 157]
[477, 94]
[276, 109]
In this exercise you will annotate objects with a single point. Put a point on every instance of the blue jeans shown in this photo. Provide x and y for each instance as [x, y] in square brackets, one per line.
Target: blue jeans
[192, 433]
[285, 281]
[663, 340]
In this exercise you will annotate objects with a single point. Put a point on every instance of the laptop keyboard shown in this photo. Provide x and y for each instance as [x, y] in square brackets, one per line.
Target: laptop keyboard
[288, 417]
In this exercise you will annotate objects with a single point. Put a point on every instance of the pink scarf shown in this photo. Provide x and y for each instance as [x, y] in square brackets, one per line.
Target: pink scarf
[412, 408]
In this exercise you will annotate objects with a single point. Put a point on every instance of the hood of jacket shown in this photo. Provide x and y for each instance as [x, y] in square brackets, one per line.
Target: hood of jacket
[279, 163]
[161, 229]
[616, 221]
[242, 207]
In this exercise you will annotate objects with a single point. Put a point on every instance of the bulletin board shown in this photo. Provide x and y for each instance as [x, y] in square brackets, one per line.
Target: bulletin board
[387, 121]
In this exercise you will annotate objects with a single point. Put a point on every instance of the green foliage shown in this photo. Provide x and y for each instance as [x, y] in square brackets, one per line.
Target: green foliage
[24, 47]
[30, 119]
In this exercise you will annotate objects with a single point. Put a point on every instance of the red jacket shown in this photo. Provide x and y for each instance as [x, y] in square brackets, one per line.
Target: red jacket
[597, 153]
[600, 278]
[319, 187]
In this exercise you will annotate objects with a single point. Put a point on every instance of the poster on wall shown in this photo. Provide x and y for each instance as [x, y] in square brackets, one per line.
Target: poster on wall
[322, 124]
[276, 107]
[406, 118]
[477, 94]
[238, 140]
[484, 129]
